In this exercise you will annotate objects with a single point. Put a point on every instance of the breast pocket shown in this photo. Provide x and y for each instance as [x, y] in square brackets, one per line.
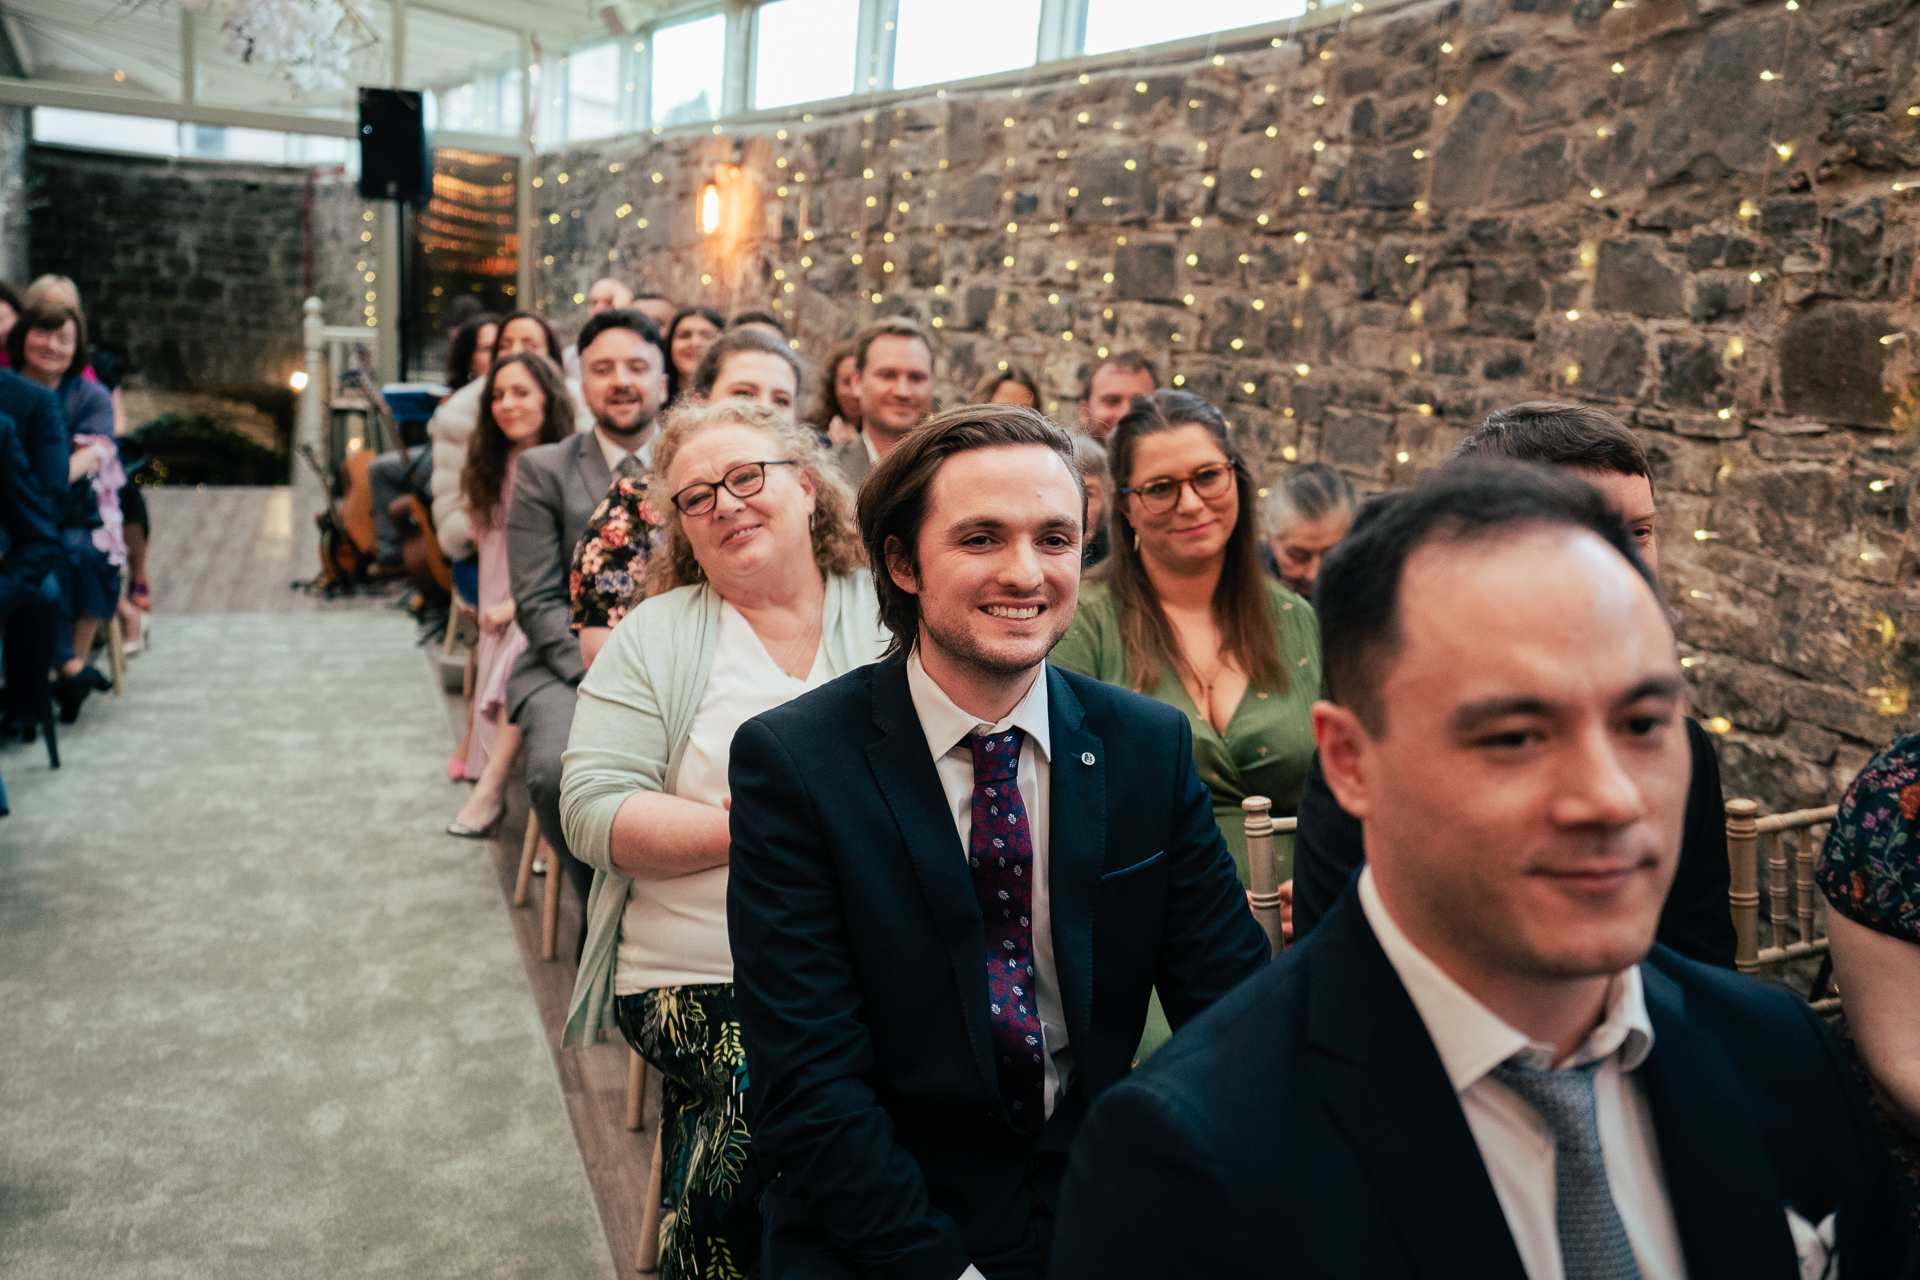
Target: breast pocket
[1148, 874]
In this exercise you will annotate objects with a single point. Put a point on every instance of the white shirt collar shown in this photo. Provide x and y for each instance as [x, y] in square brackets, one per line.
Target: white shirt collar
[946, 724]
[873, 454]
[1471, 1038]
[613, 451]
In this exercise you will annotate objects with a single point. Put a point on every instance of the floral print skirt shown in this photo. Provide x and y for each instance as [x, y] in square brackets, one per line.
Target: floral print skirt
[709, 1197]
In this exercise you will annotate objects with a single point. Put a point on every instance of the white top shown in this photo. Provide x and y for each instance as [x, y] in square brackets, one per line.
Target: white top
[1513, 1139]
[948, 727]
[674, 932]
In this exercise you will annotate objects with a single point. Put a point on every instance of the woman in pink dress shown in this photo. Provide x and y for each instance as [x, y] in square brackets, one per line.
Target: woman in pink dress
[525, 403]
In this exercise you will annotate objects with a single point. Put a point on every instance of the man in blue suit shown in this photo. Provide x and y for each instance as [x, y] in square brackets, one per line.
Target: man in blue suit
[27, 520]
[29, 629]
[1479, 1064]
[956, 876]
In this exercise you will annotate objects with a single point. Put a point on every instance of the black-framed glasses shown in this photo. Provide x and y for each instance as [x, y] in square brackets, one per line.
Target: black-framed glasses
[1160, 495]
[743, 481]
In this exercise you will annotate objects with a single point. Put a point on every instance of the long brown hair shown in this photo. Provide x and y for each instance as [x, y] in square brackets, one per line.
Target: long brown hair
[826, 403]
[1240, 607]
[487, 452]
[836, 540]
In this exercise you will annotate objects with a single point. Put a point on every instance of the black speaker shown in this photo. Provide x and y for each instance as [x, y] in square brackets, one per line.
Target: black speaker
[396, 153]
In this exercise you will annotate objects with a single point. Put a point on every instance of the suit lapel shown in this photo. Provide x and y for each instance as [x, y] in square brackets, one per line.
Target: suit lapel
[1076, 849]
[911, 787]
[1730, 1209]
[1389, 1096]
[591, 463]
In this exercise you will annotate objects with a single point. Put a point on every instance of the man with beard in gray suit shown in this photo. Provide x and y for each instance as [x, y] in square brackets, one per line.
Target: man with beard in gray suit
[623, 380]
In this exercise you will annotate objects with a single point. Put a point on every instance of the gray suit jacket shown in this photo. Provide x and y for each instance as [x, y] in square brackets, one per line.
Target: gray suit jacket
[555, 490]
[852, 460]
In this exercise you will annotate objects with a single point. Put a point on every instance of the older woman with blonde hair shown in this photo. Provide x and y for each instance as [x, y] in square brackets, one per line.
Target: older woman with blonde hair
[759, 594]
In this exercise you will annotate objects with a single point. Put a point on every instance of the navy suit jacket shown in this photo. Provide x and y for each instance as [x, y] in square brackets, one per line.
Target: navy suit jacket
[43, 429]
[1305, 1127]
[31, 541]
[860, 966]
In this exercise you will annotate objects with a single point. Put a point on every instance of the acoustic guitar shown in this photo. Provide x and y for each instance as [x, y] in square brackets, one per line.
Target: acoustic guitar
[427, 567]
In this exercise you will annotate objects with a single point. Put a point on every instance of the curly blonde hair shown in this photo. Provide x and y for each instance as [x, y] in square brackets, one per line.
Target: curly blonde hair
[837, 547]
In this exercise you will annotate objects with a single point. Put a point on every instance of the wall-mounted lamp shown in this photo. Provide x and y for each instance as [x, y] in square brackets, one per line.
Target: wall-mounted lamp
[709, 209]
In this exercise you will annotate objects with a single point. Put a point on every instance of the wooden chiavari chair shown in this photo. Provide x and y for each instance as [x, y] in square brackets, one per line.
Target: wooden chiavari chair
[1792, 900]
[1262, 870]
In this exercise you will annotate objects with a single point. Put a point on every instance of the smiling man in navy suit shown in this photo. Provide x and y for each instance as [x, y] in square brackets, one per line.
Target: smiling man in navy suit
[956, 876]
[1479, 1064]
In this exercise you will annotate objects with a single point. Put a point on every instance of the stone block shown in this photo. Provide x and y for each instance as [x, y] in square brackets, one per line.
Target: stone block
[1854, 232]
[1146, 272]
[1607, 360]
[1506, 300]
[1354, 441]
[1109, 191]
[1832, 362]
[1468, 161]
[1750, 694]
[1536, 174]
[1384, 180]
[1634, 275]
[1691, 375]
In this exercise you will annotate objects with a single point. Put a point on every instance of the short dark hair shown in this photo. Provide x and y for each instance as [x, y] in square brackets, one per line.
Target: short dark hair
[734, 341]
[891, 327]
[621, 318]
[1560, 435]
[466, 341]
[893, 501]
[983, 391]
[553, 339]
[651, 297]
[1131, 361]
[1357, 594]
[48, 317]
[755, 317]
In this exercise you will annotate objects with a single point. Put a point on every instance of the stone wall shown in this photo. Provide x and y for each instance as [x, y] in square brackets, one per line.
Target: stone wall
[1691, 212]
[197, 267]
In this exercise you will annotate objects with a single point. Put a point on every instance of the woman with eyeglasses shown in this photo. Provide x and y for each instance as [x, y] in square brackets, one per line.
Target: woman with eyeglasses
[1182, 612]
[757, 596]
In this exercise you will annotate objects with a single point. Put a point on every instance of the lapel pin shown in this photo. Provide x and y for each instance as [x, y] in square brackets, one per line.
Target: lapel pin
[1086, 757]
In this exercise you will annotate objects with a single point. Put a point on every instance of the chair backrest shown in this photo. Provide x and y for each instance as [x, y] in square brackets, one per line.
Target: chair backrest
[1791, 900]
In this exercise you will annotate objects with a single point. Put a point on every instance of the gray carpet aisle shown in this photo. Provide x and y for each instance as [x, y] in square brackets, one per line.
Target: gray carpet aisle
[258, 1016]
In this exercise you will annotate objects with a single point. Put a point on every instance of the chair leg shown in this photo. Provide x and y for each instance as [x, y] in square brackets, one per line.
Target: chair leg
[648, 1256]
[636, 1092]
[550, 906]
[53, 743]
[117, 654]
[526, 862]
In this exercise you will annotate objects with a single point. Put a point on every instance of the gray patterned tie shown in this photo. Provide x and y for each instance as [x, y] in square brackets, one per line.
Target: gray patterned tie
[629, 468]
[1593, 1240]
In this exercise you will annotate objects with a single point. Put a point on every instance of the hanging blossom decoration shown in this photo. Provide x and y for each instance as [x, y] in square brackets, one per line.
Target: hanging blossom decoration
[311, 42]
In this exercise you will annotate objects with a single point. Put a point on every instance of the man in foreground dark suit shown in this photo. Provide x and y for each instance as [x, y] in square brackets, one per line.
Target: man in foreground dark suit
[956, 875]
[1604, 452]
[1480, 1065]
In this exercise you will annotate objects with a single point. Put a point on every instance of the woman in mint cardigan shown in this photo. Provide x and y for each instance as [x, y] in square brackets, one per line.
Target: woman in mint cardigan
[1182, 612]
[757, 597]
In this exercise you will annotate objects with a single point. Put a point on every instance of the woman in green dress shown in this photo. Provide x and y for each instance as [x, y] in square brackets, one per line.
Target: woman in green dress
[1182, 613]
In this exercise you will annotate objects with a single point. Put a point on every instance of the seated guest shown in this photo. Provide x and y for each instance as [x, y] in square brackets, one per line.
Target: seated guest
[392, 475]
[1481, 1063]
[759, 596]
[1607, 455]
[1008, 386]
[894, 361]
[770, 325]
[555, 491]
[1183, 614]
[29, 642]
[609, 571]
[687, 338]
[1110, 390]
[1303, 515]
[49, 346]
[603, 295]
[1091, 457]
[836, 403]
[1870, 873]
[453, 423]
[28, 516]
[955, 876]
[657, 308]
[525, 404]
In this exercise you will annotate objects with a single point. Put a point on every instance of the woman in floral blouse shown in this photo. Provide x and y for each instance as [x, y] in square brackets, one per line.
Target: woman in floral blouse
[609, 574]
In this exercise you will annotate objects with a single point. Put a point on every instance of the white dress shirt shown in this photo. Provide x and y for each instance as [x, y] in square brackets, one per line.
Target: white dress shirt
[613, 451]
[873, 454]
[1513, 1139]
[948, 727]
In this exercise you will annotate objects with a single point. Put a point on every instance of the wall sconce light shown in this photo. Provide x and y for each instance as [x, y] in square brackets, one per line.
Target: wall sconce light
[709, 209]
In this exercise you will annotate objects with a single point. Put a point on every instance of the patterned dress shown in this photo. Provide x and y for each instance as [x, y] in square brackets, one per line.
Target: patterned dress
[609, 574]
[1869, 871]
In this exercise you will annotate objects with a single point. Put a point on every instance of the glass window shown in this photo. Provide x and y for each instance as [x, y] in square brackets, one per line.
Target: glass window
[1129, 24]
[940, 40]
[804, 51]
[106, 132]
[688, 63]
[593, 92]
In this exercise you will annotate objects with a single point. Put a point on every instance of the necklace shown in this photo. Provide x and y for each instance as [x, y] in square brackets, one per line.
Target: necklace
[802, 646]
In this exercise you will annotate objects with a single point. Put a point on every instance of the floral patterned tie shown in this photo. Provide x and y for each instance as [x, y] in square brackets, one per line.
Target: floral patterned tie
[1000, 856]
